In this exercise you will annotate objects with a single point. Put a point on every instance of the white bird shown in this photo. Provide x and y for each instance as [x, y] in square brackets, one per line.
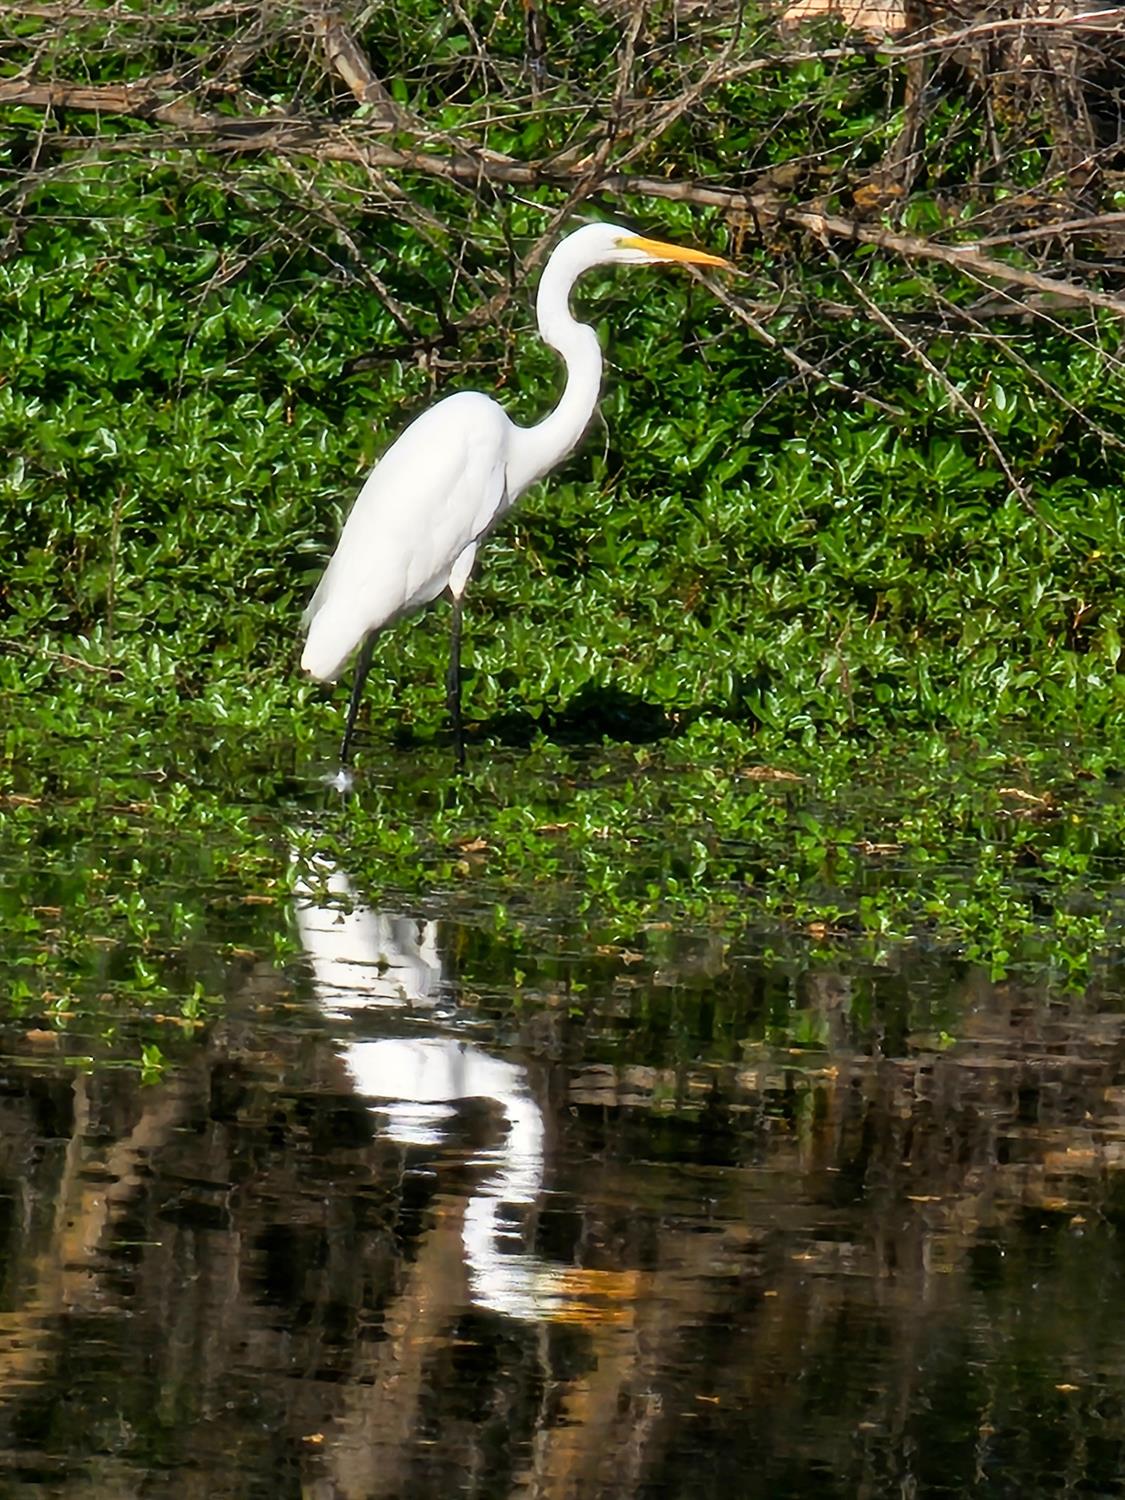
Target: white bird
[418, 1081]
[448, 479]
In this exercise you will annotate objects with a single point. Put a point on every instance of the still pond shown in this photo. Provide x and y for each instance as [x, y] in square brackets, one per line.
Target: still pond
[420, 1209]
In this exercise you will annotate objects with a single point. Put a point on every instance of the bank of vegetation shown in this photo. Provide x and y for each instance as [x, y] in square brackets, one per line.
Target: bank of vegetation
[865, 497]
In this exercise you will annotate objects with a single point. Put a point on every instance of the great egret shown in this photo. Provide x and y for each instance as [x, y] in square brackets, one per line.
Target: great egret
[447, 480]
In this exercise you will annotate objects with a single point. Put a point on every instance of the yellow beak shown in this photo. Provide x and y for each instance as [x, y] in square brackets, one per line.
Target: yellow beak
[661, 250]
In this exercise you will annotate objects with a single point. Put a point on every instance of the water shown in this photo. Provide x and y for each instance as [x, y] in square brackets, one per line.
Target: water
[424, 1211]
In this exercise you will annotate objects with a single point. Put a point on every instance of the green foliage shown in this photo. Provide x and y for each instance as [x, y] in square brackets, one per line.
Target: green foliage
[144, 880]
[202, 357]
[179, 454]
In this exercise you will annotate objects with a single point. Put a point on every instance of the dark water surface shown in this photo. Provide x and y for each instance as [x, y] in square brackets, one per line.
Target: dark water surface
[423, 1214]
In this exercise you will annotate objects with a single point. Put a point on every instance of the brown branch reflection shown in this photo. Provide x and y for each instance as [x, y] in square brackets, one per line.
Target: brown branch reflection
[356, 1247]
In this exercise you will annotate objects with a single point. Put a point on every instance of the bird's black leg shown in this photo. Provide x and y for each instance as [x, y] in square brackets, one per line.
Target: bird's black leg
[453, 683]
[362, 667]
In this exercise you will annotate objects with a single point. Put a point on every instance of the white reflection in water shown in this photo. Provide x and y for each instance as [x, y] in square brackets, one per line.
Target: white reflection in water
[417, 1079]
[361, 958]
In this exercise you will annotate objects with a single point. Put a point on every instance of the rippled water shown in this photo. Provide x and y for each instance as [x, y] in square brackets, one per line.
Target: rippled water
[420, 1215]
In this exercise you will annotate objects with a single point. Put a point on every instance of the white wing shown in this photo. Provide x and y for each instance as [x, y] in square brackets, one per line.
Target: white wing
[435, 491]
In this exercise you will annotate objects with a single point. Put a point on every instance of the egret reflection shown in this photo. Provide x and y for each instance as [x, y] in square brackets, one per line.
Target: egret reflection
[362, 957]
[366, 958]
[417, 1083]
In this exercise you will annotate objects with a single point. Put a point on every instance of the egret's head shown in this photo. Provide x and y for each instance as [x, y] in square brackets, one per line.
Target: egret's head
[610, 244]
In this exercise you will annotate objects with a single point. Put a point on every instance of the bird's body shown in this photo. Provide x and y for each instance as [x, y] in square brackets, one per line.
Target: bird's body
[444, 483]
[415, 524]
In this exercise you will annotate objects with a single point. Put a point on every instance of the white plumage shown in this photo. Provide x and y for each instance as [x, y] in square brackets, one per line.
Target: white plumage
[441, 487]
[433, 495]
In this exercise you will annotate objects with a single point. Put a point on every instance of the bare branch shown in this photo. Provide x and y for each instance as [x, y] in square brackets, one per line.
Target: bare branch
[345, 55]
[956, 398]
[1093, 224]
[965, 258]
[742, 312]
[627, 121]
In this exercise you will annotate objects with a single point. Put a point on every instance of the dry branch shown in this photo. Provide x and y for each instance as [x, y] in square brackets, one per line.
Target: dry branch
[157, 101]
[744, 314]
[347, 57]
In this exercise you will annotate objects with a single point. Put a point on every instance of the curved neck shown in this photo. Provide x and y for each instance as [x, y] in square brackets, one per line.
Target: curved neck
[539, 448]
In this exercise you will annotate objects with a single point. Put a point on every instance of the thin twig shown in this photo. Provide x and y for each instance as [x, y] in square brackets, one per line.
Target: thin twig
[915, 350]
[810, 371]
[64, 658]
[1107, 438]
